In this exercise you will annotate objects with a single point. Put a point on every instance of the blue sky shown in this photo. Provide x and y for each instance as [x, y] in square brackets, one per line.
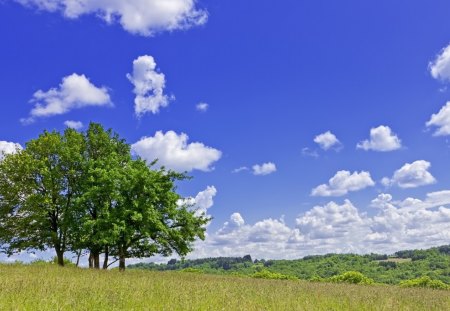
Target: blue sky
[296, 93]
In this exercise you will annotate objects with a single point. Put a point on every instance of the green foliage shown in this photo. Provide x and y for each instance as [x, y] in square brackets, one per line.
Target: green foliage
[380, 268]
[191, 270]
[83, 191]
[352, 277]
[426, 282]
[266, 274]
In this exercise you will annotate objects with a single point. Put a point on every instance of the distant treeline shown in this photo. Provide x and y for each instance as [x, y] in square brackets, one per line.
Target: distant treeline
[389, 269]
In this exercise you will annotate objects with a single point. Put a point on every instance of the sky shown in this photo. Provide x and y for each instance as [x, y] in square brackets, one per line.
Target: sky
[309, 127]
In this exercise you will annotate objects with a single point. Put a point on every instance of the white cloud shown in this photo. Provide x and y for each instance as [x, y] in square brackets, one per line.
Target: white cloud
[441, 120]
[7, 147]
[440, 67]
[75, 91]
[411, 175]
[174, 152]
[202, 107]
[240, 169]
[143, 17]
[344, 182]
[327, 140]
[336, 228]
[306, 152]
[264, 169]
[381, 139]
[203, 201]
[76, 125]
[332, 221]
[148, 86]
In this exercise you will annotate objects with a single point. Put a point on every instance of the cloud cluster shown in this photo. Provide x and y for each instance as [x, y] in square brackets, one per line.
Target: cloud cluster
[75, 91]
[411, 175]
[148, 86]
[203, 201]
[202, 107]
[344, 182]
[440, 66]
[174, 152]
[381, 139]
[143, 17]
[7, 147]
[334, 227]
[264, 169]
[327, 141]
[76, 125]
[441, 120]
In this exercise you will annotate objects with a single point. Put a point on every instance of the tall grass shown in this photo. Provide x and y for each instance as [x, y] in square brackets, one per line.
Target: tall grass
[47, 287]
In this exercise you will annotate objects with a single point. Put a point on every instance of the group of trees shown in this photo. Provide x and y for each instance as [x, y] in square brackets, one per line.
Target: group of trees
[83, 192]
[404, 265]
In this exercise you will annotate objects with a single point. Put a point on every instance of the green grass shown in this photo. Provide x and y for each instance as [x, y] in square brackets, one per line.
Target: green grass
[46, 287]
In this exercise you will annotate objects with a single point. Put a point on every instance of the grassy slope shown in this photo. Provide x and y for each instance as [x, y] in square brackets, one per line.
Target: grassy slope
[53, 288]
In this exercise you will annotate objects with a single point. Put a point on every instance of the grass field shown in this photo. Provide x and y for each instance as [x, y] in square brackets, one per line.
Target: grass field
[54, 288]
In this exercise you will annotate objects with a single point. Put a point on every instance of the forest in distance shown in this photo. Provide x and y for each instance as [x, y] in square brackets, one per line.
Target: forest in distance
[433, 263]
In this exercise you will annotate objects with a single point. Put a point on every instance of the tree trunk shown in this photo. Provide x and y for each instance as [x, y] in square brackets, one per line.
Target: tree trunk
[91, 261]
[78, 257]
[121, 259]
[60, 255]
[105, 261]
[96, 256]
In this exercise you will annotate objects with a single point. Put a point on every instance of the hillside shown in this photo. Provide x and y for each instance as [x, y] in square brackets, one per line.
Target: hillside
[392, 269]
[48, 287]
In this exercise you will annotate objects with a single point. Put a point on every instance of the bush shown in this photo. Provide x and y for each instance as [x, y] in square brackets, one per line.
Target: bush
[191, 270]
[426, 282]
[352, 277]
[266, 274]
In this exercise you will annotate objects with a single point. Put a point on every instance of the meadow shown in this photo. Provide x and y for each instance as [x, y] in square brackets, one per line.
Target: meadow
[49, 287]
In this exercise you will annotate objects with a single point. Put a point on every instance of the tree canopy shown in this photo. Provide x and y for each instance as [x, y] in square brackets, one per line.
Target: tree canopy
[84, 192]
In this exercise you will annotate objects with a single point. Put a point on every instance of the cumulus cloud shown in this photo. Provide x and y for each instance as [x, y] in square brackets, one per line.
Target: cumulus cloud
[7, 147]
[441, 120]
[75, 91]
[149, 86]
[240, 169]
[411, 175]
[202, 107]
[174, 152]
[344, 182]
[327, 140]
[264, 169]
[440, 66]
[334, 227]
[143, 17]
[203, 201]
[76, 125]
[381, 139]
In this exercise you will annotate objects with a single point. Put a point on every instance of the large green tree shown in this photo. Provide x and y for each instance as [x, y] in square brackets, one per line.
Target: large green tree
[38, 190]
[83, 192]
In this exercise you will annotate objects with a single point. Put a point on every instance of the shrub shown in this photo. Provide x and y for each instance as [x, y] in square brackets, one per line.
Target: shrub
[352, 277]
[191, 270]
[266, 274]
[426, 282]
[317, 278]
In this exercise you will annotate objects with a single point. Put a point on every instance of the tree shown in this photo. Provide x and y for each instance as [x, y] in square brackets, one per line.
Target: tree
[149, 217]
[38, 187]
[83, 191]
[105, 158]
